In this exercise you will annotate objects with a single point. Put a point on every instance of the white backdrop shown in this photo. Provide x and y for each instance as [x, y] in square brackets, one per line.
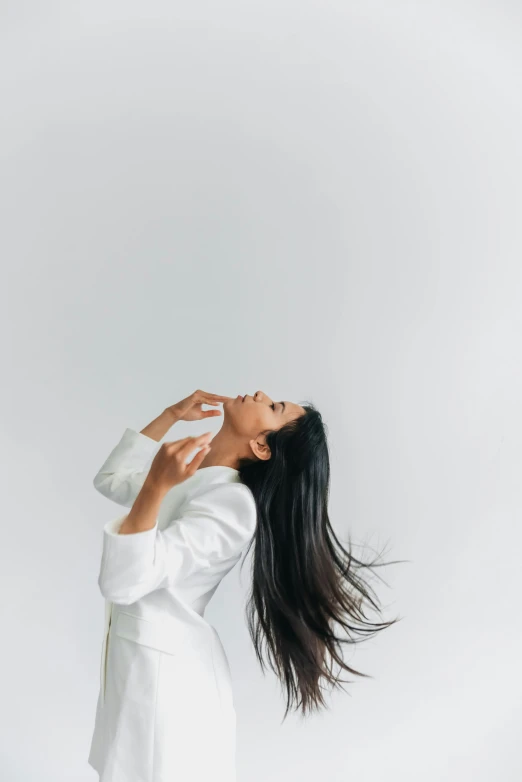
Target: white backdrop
[320, 200]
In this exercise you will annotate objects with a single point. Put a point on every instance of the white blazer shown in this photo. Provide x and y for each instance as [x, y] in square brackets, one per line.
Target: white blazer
[165, 710]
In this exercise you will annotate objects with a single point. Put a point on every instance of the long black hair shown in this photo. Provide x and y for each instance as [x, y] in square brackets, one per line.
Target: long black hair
[304, 581]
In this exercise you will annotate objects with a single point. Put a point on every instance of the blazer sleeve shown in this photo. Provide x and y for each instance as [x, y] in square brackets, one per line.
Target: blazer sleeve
[123, 473]
[213, 528]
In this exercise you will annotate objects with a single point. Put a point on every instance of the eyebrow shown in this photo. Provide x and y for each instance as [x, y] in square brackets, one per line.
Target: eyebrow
[282, 403]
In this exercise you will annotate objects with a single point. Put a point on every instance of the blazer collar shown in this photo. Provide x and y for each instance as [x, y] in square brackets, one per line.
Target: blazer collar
[216, 473]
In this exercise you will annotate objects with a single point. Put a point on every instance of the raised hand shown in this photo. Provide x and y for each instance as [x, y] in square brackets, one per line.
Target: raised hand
[169, 466]
[189, 409]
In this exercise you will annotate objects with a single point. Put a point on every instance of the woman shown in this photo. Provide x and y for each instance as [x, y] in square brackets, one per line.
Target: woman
[165, 709]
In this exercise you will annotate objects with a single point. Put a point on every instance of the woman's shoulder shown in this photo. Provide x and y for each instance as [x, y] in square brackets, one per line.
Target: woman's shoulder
[231, 500]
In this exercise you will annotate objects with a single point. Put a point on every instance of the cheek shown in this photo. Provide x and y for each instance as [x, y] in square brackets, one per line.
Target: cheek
[253, 420]
[250, 418]
[263, 420]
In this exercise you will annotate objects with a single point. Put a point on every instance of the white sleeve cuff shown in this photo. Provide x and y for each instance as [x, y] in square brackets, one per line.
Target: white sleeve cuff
[112, 529]
[127, 560]
[135, 439]
[124, 471]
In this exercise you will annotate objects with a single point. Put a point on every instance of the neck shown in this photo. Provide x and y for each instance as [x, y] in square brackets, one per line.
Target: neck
[225, 451]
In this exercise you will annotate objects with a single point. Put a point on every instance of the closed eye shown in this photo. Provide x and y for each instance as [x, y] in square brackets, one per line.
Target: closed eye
[273, 406]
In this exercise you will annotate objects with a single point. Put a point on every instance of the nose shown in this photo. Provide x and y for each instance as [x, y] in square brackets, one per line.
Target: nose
[260, 396]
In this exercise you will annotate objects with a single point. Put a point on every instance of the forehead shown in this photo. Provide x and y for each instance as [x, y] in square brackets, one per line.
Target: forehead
[292, 409]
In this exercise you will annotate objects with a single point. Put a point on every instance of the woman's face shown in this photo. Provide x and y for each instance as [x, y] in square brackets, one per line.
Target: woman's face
[250, 415]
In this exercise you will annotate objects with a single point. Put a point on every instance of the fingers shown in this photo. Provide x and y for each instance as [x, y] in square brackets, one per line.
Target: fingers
[185, 446]
[202, 442]
[173, 445]
[210, 399]
[194, 463]
[210, 413]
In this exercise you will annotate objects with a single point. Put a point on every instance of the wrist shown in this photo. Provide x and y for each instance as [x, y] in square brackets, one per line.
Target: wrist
[171, 415]
[153, 489]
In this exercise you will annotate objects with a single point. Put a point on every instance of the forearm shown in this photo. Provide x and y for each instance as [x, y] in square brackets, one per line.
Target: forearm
[144, 512]
[159, 427]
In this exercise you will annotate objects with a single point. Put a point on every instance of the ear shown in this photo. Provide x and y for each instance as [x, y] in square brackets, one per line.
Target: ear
[260, 449]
